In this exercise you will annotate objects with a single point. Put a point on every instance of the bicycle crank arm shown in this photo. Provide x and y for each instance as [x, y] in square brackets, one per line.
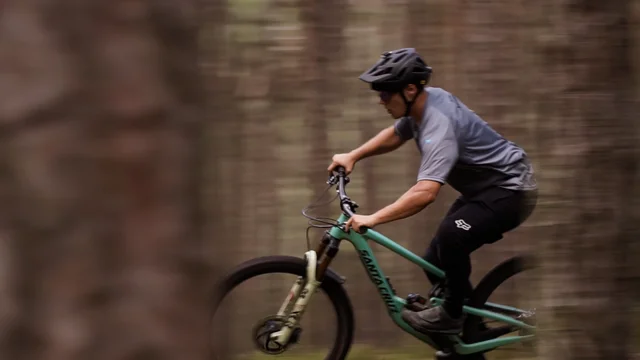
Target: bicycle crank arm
[301, 296]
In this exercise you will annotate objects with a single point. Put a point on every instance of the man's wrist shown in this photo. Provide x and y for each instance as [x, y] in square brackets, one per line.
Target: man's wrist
[376, 219]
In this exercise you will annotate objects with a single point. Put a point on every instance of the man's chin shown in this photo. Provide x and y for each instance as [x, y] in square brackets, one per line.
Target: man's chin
[393, 115]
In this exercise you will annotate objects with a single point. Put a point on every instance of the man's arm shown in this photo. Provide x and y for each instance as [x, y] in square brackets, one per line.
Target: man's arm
[418, 197]
[439, 155]
[385, 141]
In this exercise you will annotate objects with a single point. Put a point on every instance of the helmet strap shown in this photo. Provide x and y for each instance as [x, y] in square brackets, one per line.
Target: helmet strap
[410, 103]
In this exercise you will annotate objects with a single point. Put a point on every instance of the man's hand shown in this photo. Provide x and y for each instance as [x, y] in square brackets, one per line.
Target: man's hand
[346, 160]
[357, 221]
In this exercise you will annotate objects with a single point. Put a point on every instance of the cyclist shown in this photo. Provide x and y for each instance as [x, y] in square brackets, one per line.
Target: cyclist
[493, 176]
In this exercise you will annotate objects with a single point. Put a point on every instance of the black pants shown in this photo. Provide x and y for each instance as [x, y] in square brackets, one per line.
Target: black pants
[469, 224]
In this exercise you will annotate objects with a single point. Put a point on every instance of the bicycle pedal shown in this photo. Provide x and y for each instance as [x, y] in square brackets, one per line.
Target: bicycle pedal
[416, 298]
[416, 307]
[416, 302]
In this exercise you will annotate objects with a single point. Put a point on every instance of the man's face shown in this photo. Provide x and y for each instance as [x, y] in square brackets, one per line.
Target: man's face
[393, 102]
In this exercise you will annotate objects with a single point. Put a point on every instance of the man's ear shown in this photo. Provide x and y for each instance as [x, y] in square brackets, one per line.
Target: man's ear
[410, 91]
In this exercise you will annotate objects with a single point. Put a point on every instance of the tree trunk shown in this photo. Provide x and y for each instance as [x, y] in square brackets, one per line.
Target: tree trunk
[100, 117]
[586, 263]
[323, 24]
[225, 146]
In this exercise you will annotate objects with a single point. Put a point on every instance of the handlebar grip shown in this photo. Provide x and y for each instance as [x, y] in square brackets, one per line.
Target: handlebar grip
[341, 170]
[347, 209]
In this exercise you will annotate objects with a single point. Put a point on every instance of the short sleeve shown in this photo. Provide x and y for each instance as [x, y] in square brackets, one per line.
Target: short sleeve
[403, 128]
[439, 152]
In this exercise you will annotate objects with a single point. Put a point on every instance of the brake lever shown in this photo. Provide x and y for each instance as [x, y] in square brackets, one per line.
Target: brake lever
[363, 229]
[333, 180]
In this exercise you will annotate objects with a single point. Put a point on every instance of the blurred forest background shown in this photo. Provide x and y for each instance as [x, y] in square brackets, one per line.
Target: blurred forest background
[148, 146]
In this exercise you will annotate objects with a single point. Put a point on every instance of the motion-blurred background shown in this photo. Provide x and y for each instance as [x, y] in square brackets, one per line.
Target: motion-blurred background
[146, 147]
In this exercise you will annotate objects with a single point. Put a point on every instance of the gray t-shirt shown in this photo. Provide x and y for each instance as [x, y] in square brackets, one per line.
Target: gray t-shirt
[462, 150]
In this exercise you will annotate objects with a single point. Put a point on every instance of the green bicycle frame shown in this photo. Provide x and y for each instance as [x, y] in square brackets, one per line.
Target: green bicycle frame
[395, 304]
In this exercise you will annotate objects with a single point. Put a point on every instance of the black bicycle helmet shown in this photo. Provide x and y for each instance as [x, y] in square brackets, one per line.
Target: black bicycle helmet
[395, 70]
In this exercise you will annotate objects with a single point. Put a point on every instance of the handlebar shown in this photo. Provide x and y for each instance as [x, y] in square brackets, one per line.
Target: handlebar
[340, 178]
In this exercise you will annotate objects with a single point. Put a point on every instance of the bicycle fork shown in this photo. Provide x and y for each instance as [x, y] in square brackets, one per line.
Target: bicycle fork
[300, 294]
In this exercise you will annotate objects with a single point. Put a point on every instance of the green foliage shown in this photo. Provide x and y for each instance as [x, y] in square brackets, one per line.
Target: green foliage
[359, 352]
[364, 352]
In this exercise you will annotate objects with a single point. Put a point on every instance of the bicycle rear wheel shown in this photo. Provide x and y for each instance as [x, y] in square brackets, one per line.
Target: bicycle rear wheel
[331, 287]
[497, 287]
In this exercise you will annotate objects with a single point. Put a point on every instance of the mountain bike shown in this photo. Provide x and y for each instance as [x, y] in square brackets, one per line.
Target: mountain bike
[278, 332]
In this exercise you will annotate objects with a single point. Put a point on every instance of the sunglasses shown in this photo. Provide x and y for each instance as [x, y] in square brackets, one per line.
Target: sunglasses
[385, 96]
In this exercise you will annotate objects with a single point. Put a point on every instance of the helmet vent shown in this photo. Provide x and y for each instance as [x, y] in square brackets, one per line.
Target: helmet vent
[397, 68]
[382, 72]
[399, 58]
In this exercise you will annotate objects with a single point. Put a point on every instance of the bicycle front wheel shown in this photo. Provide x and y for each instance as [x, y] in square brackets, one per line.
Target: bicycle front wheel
[265, 298]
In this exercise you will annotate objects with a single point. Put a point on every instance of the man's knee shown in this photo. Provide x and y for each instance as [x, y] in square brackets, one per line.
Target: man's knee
[431, 255]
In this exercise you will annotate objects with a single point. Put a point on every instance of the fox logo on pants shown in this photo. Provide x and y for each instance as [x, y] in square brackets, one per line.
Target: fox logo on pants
[463, 225]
